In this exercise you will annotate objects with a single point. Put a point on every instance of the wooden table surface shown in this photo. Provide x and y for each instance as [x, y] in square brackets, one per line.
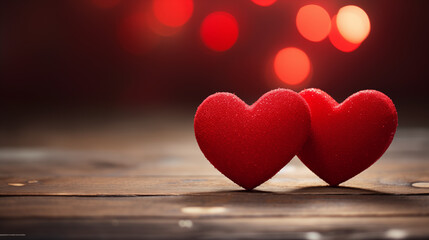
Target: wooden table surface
[142, 176]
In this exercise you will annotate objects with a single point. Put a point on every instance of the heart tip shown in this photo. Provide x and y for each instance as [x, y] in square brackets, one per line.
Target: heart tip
[335, 184]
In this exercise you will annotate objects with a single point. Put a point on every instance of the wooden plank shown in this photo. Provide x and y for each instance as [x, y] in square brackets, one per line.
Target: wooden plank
[52, 162]
[192, 185]
[222, 228]
[109, 178]
[222, 204]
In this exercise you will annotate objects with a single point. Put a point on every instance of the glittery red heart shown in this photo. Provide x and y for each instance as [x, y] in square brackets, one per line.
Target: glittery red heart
[249, 144]
[347, 138]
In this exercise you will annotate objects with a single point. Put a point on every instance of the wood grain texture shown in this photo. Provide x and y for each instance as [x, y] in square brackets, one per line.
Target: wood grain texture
[221, 204]
[199, 185]
[144, 177]
[223, 228]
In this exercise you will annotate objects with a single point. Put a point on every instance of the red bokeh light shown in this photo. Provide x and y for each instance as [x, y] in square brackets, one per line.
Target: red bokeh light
[219, 31]
[313, 22]
[292, 65]
[173, 13]
[338, 40]
[264, 3]
[134, 35]
[105, 3]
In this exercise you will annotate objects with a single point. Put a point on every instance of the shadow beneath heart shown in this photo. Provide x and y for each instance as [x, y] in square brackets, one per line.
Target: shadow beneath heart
[335, 190]
[314, 190]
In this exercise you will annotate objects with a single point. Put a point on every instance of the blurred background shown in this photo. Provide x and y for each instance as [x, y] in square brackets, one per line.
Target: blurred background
[132, 55]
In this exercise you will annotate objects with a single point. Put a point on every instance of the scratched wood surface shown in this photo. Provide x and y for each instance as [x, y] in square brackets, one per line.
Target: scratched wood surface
[143, 176]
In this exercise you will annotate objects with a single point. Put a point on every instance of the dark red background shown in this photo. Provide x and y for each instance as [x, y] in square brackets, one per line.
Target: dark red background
[65, 54]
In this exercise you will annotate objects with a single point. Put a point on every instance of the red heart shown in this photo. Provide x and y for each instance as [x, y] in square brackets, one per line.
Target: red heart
[347, 138]
[249, 144]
